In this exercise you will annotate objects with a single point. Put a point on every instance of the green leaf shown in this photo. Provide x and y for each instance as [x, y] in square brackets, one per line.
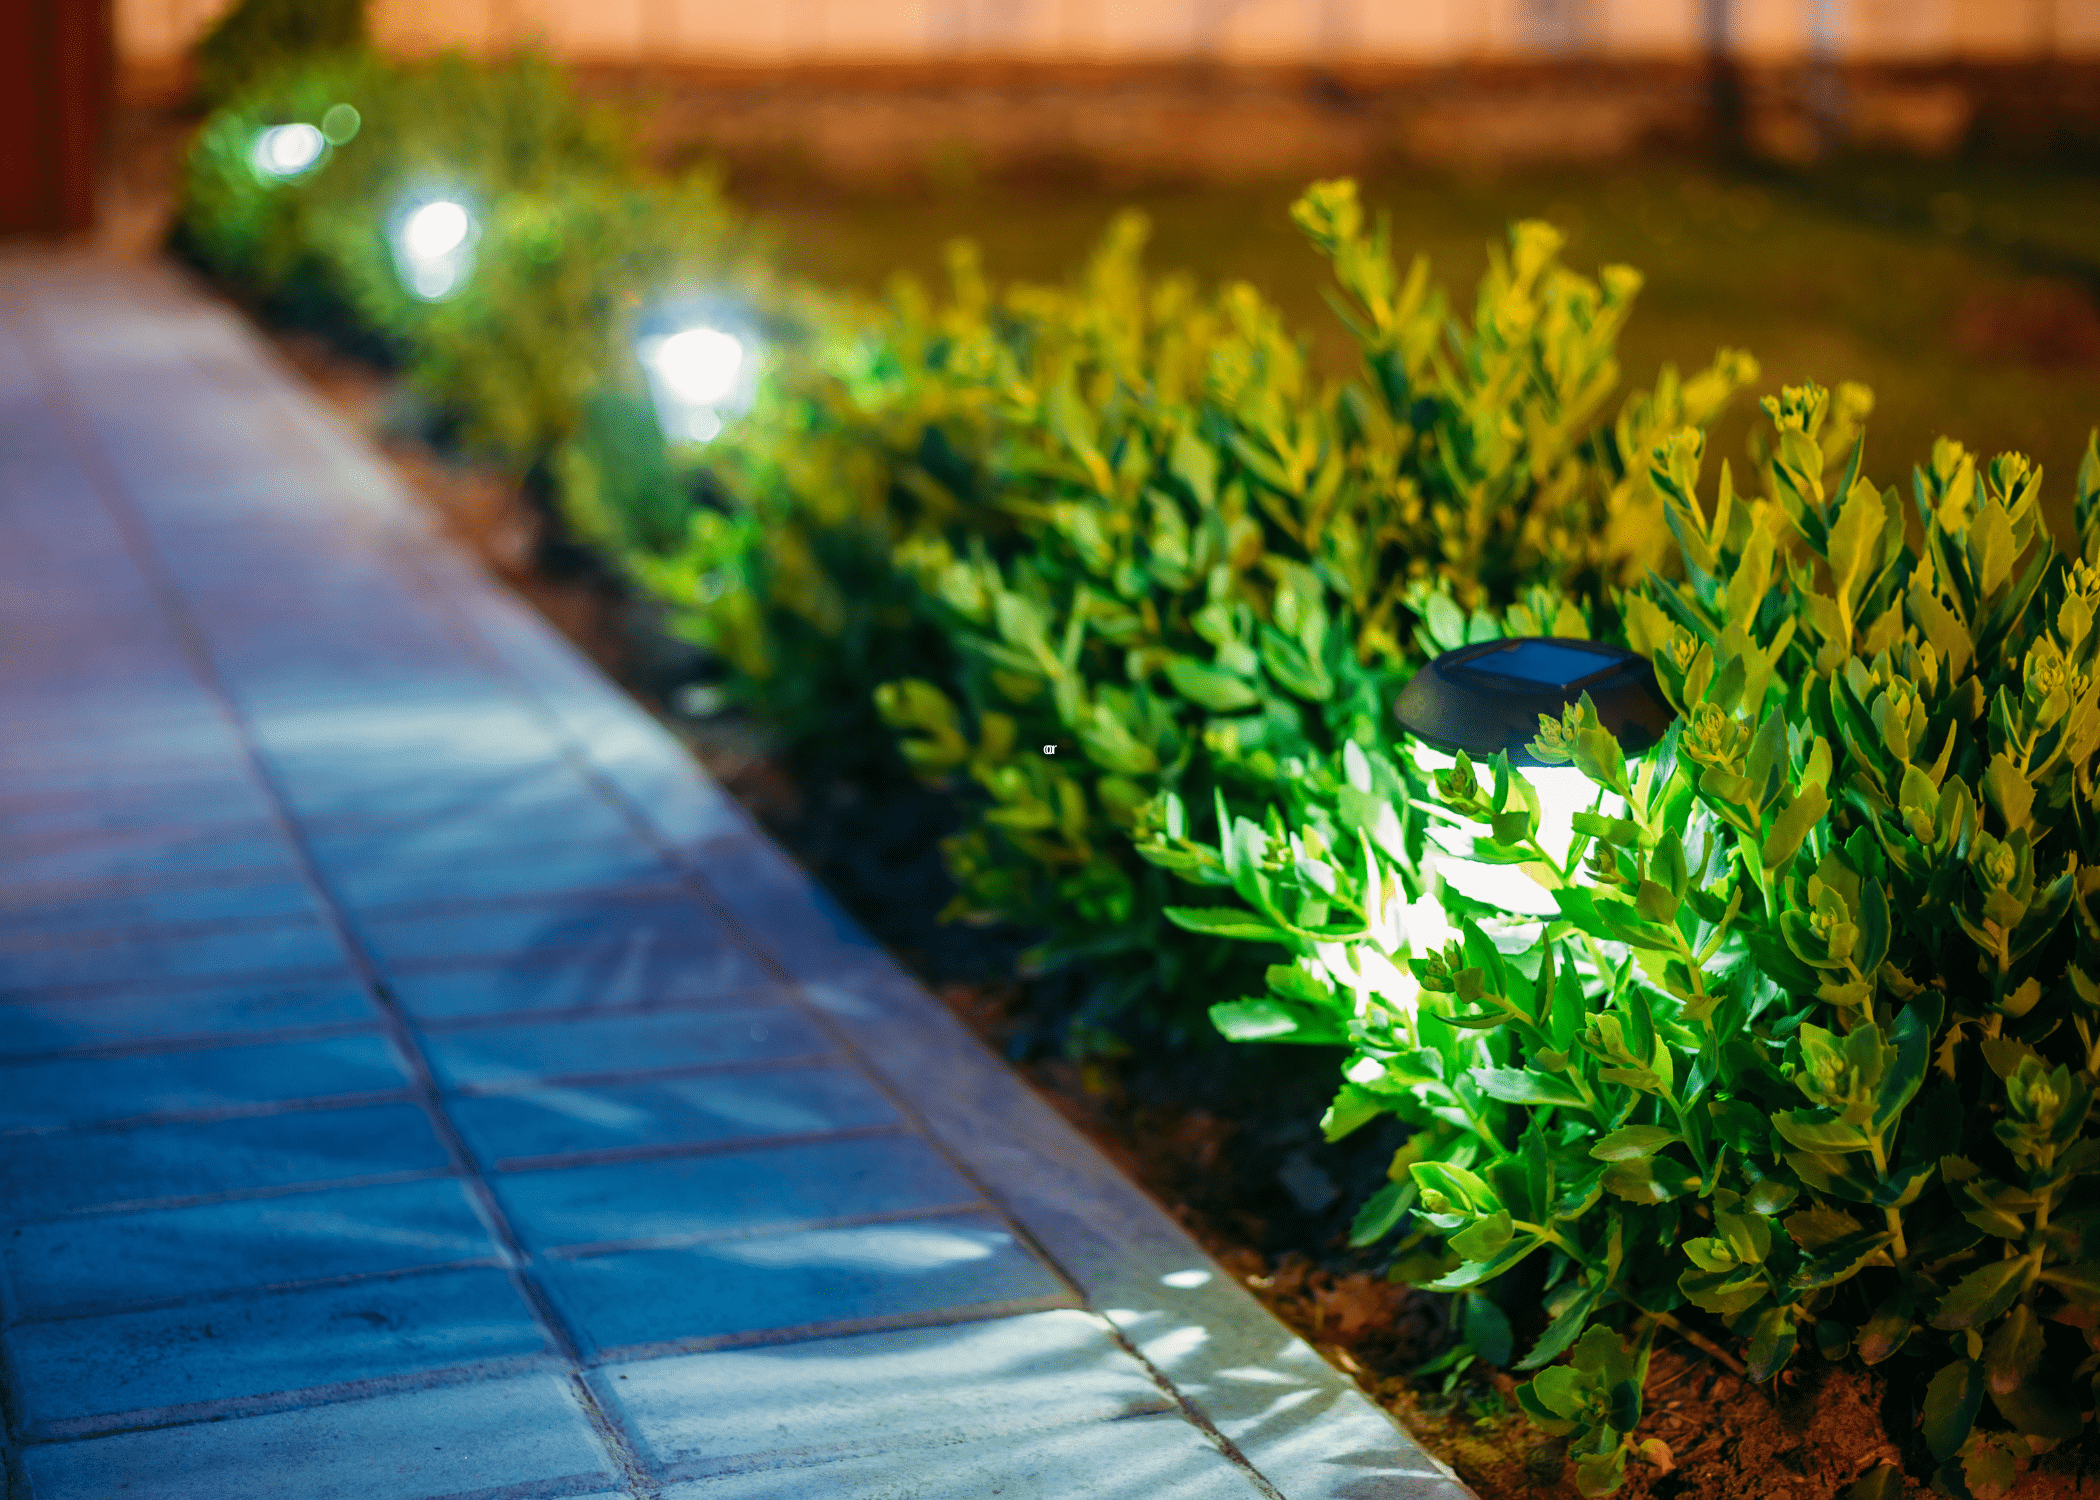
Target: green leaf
[1562, 1391]
[1767, 758]
[1667, 867]
[1647, 1179]
[2009, 791]
[1524, 1086]
[1902, 1186]
[1487, 1329]
[1792, 825]
[1726, 1294]
[1352, 1108]
[1542, 1416]
[1882, 1483]
[1771, 1344]
[1990, 1465]
[1598, 756]
[1293, 669]
[1225, 922]
[1630, 1141]
[1749, 1235]
[1841, 1260]
[1801, 1128]
[1833, 1339]
[1382, 1214]
[1887, 1328]
[1566, 1326]
[1813, 1228]
[1991, 534]
[1912, 1039]
[1212, 687]
[2014, 1350]
[2038, 1409]
[2080, 1283]
[1655, 902]
[1258, 1020]
[1874, 932]
[1625, 1400]
[1984, 1293]
[1485, 1238]
[1951, 1403]
[1474, 1272]
[1453, 1185]
[1602, 1474]
[1620, 833]
[1768, 1197]
[1291, 982]
[1195, 464]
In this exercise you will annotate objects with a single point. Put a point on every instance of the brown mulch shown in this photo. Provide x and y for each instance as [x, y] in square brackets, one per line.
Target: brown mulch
[1806, 1436]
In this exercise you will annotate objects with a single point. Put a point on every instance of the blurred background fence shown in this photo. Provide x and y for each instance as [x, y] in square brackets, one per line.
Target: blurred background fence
[793, 32]
[1259, 87]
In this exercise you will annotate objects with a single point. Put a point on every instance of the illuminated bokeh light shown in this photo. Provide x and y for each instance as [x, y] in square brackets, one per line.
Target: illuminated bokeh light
[288, 150]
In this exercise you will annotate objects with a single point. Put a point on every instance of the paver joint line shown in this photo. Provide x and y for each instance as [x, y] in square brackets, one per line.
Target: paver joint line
[696, 880]
[137, 541]
[649, 1116]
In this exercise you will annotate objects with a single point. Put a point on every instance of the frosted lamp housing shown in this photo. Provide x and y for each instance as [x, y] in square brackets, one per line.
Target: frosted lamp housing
[285, 151]
[700, 364]
[433, 245]
[1486, 698]
[1563, 792]
[435, 230]
[701, 359]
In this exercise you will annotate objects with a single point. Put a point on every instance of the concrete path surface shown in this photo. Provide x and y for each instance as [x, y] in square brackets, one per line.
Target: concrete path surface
[417, 1079]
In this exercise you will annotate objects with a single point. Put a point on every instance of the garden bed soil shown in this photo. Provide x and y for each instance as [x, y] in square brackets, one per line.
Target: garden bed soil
[1222, 1136]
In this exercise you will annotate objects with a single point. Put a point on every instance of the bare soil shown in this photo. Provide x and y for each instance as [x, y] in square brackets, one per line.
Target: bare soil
[1221, 1138]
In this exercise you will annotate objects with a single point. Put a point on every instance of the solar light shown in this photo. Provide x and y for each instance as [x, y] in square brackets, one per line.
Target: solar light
[434, 248]
[700, 357]
[285, 151]
[1486, 699]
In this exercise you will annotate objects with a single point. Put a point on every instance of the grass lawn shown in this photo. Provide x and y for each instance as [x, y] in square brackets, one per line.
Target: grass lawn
[1963, 293]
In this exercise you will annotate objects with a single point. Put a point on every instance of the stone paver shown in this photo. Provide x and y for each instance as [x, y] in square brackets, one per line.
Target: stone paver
[418, 1080]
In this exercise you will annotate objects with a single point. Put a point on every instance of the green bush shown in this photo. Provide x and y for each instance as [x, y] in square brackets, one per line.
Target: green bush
[532, 362]
[1213, 562]
[1807, 1036]
[259, 37]
[1140, 529]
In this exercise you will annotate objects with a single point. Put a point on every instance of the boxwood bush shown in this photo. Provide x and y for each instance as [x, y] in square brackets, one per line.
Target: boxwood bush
[531, 365]
[1801, 1048]
[1795, 1047]
[1120, 517]
[1146, 534]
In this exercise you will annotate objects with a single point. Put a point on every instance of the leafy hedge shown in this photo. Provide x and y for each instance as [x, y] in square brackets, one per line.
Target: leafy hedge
[1142, 531]
[258, 37]
[1807, 1035]
[1801, 1043]
[531, 365]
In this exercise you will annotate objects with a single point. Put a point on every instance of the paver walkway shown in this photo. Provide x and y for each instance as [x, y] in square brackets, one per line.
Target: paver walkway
[419, 1080]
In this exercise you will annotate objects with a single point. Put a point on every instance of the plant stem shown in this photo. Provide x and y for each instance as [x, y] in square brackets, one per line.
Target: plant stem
[1893, 1218]
[1700, 1342]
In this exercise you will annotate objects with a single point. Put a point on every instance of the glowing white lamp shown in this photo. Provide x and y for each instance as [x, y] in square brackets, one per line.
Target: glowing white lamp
[1563, 792]
[434, 249]
[1487, 698]
[700, 364]
[700, 359]
[286, 151]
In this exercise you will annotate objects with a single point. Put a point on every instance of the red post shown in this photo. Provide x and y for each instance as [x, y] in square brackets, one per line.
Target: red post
[57, 61]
